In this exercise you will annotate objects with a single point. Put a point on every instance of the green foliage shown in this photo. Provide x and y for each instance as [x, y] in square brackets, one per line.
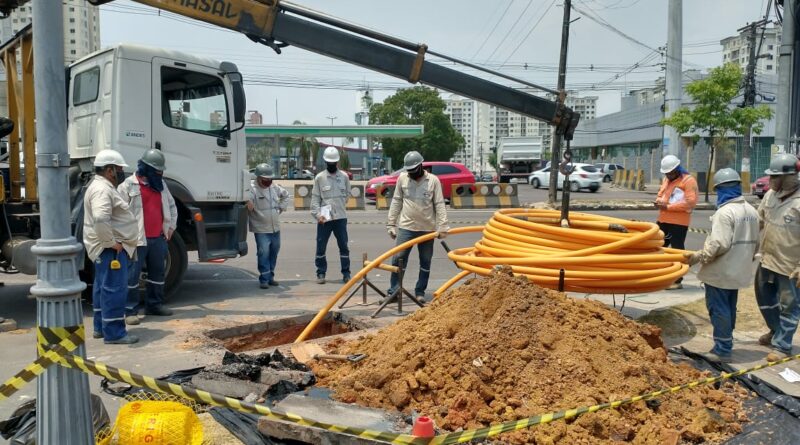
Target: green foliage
[493, 162]
[417, 106]
[713, 112]
[344, 160]
[260, 153]
[305, 148]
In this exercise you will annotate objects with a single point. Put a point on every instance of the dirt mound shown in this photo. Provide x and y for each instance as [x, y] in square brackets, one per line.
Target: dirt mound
[500, 348]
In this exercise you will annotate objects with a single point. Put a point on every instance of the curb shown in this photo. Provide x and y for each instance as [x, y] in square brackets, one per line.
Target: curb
[598, 205]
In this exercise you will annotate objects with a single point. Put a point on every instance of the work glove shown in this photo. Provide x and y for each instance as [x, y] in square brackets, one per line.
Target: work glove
[795, 276]
[442, 235]
[392, 232]
[692, 257]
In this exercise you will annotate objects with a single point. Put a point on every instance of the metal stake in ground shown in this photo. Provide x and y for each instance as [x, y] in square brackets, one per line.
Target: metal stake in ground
[63, 394]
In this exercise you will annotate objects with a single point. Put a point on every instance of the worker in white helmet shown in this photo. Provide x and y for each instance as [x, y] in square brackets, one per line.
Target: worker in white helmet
[110, 235]
[727, 259]
[778, 276]
[675, 201]
[328, 207]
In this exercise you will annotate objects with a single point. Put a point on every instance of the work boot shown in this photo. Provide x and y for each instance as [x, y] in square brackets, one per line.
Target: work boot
[714, 357]
[345, 278]
[675, 286]
[766, 339]
[132, 320]
[273, 283]
[128, 339]
[264, 285]
[97, 334]
[320, 279]
[160, 311]
[421, 298]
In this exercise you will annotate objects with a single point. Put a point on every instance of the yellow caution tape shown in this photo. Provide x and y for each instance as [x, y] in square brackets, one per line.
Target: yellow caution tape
[60, 354]
[72, 337]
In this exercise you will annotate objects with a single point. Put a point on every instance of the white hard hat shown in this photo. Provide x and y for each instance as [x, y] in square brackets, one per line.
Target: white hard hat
[331, 154]
[109, 157]
[669, 163]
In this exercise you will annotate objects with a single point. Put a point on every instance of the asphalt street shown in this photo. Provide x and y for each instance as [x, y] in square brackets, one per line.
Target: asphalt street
[222, 295]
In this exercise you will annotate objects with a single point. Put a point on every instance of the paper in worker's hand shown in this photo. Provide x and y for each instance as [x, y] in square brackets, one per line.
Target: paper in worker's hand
[325, 212]
[677, 196]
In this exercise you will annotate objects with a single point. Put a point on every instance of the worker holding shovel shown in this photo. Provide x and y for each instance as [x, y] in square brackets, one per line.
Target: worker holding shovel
[727, 258]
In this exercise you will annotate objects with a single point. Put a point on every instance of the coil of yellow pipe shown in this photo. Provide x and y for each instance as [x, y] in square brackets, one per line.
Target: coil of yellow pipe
[595, 255]
[599, 254]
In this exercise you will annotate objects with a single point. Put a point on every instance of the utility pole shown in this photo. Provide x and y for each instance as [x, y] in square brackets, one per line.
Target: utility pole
[749, 98]
[785, 61]
[480, 162]
[555, 146]
[62, 393]
[674, 93]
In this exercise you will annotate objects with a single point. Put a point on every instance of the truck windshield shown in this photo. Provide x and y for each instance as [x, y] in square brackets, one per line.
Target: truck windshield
[194, 102]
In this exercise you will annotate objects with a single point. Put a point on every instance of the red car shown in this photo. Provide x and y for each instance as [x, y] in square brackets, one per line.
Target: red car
[760, 187]
[449, 173]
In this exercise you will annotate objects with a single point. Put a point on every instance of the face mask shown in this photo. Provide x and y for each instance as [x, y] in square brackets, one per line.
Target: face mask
[120, 176]
[416, 173]
[331, 167]
[265, 183]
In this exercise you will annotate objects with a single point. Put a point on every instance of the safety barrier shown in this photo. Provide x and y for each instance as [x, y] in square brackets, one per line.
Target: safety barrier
[628, 179]
[302, 197]
[383, 197]
[73, 336]
[483, 196]
[618, 175]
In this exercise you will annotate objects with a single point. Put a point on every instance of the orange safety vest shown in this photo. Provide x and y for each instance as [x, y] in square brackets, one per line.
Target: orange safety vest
[683, 194]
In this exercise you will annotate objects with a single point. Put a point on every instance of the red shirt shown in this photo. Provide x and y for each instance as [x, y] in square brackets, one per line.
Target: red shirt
[152, 210]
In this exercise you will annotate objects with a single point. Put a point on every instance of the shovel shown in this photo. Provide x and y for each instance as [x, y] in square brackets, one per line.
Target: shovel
[306, 352]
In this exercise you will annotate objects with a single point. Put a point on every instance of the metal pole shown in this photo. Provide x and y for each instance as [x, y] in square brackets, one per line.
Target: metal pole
[749, 101]
[785, 58]
[63, 394]
[555, 146]
[674, 93]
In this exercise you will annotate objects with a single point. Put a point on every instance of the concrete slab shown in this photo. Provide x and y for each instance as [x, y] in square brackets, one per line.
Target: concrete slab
[748, 353]
[332, 412]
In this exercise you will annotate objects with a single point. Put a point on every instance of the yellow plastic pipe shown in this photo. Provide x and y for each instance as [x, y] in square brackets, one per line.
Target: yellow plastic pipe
[599, 254]
[373, 264]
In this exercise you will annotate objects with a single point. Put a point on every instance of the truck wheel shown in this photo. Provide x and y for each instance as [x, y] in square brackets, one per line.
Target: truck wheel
[177, 262]
[535, 183]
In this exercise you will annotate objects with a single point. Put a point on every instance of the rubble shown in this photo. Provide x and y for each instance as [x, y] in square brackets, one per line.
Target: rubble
[500, 348]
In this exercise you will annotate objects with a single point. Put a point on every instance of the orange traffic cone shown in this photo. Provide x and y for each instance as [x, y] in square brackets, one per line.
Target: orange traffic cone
[423, 427]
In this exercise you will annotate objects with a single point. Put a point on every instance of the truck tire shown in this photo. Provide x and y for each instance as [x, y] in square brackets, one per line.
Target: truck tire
[177, 263]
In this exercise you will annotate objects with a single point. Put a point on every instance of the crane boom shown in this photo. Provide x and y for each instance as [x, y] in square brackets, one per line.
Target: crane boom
[279, 24]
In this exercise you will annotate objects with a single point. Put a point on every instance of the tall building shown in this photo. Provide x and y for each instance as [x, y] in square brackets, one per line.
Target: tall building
[482, 126]
[81, 34]
[736, 49]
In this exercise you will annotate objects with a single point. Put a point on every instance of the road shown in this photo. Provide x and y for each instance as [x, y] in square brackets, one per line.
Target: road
[222, 295]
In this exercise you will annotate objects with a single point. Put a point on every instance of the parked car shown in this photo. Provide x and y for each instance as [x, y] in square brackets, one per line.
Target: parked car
[585, 176]
[608, 170]
[449, 173]
[487, 177]
[760, 187]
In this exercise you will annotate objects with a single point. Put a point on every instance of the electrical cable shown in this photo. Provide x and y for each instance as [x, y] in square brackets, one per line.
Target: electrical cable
[599, 254]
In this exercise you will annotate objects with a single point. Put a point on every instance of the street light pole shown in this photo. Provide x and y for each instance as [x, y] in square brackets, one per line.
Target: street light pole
[62, 393]
[332, 118]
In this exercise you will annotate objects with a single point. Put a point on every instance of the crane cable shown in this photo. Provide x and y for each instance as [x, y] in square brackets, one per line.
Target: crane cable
[599, 254]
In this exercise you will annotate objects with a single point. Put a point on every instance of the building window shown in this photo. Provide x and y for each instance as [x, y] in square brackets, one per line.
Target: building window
[71, 9]
[770, 47]
[72, 31]
[72, 51]
[72, 20]
[769, 67]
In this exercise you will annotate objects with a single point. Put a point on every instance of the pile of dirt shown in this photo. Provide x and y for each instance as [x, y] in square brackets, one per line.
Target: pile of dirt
[500, 348]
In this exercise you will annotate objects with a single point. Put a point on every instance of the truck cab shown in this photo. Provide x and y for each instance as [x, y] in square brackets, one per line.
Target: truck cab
[518, 157]
[132, 98]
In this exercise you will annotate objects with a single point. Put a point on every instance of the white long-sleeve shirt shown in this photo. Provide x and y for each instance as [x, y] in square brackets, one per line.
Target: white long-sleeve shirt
[418, 205]
[107, 220]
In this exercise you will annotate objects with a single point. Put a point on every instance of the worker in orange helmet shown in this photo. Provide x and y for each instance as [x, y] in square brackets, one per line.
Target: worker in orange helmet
[676, 200]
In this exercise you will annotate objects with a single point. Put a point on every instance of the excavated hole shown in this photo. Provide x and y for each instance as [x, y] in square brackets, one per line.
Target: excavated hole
[281, 331]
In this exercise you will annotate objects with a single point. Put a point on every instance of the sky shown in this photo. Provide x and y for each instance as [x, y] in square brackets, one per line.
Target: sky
[517, 37]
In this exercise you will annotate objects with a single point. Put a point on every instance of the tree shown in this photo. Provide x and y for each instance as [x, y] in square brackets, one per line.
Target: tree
[417, 106]
[305, 148]
[493, 162]
[344, 160]
[713, 112]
